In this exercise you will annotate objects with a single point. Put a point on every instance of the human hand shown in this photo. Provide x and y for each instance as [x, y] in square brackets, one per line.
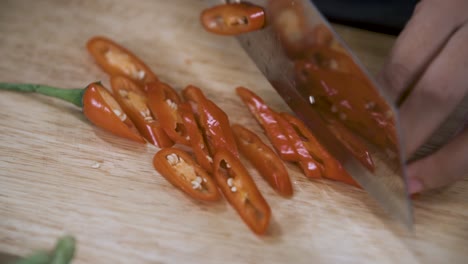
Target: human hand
[430, 57]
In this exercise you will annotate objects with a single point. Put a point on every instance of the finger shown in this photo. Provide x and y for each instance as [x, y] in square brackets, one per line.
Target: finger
[432, 24]
[436, 95]
[447, 165]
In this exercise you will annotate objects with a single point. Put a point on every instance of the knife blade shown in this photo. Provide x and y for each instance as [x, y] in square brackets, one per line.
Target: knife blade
[289, 34]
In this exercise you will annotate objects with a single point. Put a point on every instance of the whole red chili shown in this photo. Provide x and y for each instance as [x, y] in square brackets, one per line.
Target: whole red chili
[97, 104]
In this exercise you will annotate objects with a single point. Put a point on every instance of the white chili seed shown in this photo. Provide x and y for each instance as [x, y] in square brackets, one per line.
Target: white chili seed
[230, 181]
[96, 165]
[141, 74]
[123, 92]
[173, 159]
[195, 185]
[117, 112]
[233, 189]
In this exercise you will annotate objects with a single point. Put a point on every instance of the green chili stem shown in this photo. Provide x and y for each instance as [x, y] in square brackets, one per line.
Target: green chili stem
[74, 96]
[40, 257]
[62, 254]
[64, 250]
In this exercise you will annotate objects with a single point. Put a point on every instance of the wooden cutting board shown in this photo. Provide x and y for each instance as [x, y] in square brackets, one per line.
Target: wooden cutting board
[123, 211]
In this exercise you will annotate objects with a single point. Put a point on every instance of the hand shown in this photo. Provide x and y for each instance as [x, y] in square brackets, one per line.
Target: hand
[431, 58]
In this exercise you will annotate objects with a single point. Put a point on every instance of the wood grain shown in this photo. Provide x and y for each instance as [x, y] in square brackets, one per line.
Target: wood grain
[123, 211]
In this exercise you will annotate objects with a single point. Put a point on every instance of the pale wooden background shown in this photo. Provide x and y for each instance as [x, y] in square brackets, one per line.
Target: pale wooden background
[124, 212]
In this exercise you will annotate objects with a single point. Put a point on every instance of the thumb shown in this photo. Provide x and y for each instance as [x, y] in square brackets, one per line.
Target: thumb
[447, 165]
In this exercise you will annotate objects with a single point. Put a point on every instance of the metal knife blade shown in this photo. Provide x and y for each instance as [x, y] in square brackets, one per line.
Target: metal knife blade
[290, 24]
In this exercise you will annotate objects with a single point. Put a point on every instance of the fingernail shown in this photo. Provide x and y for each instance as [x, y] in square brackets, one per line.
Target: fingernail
[414, 185]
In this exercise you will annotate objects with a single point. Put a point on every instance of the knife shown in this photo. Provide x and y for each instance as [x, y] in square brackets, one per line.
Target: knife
[293, 29]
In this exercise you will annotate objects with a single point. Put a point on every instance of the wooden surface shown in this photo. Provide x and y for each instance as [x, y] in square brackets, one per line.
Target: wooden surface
[123, 211]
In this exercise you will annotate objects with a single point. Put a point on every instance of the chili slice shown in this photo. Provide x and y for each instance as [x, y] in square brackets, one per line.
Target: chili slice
[183, 172]
[133, 101]
[332, 168]
[213, 121]
[266, 118]
[98, 105]
[311, 168]
[354, 144]
[233, 19]
[164, 102]
[197, 142]
[264, 159]
[117, 60]
[241, 192]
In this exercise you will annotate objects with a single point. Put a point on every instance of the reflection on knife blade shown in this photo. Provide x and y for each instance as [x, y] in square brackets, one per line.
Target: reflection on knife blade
[306, 62]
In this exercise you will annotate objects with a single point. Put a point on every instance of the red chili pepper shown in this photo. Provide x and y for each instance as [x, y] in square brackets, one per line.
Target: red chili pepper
[241, 192]
[311, 168]
[97, 104]
[347, 96]
[134, 103]
[213, 121]
[164, 102]
[354, 144]
[183, 172]
[117, 60]
[264, 159]
[197, 142]
[266, 118]
[332, 168]
[233, 19]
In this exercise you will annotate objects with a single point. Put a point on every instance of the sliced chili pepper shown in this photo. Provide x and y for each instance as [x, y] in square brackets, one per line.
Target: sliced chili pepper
[335, 93]
[164, 103]
[134, 103]
[241, 192]
[311, 168]
[266, 118]
[97, 104]
[212, 120]
[233, 19]
[354, 144]
[264, 159]
[328, 59]
[183, 172]
[197, 142]
[332, 168]
[117, 60]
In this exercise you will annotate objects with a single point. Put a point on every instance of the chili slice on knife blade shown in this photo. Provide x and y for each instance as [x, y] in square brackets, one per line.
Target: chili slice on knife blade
[311, 168]
[134, 103]
[98, 105]
[332, 168]
[183, 172]
[164, 102]
[241, 192]
[233, 19]
[212, 120]
[354, 144]
[266, 118]
[264, 159]
[117, 60]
